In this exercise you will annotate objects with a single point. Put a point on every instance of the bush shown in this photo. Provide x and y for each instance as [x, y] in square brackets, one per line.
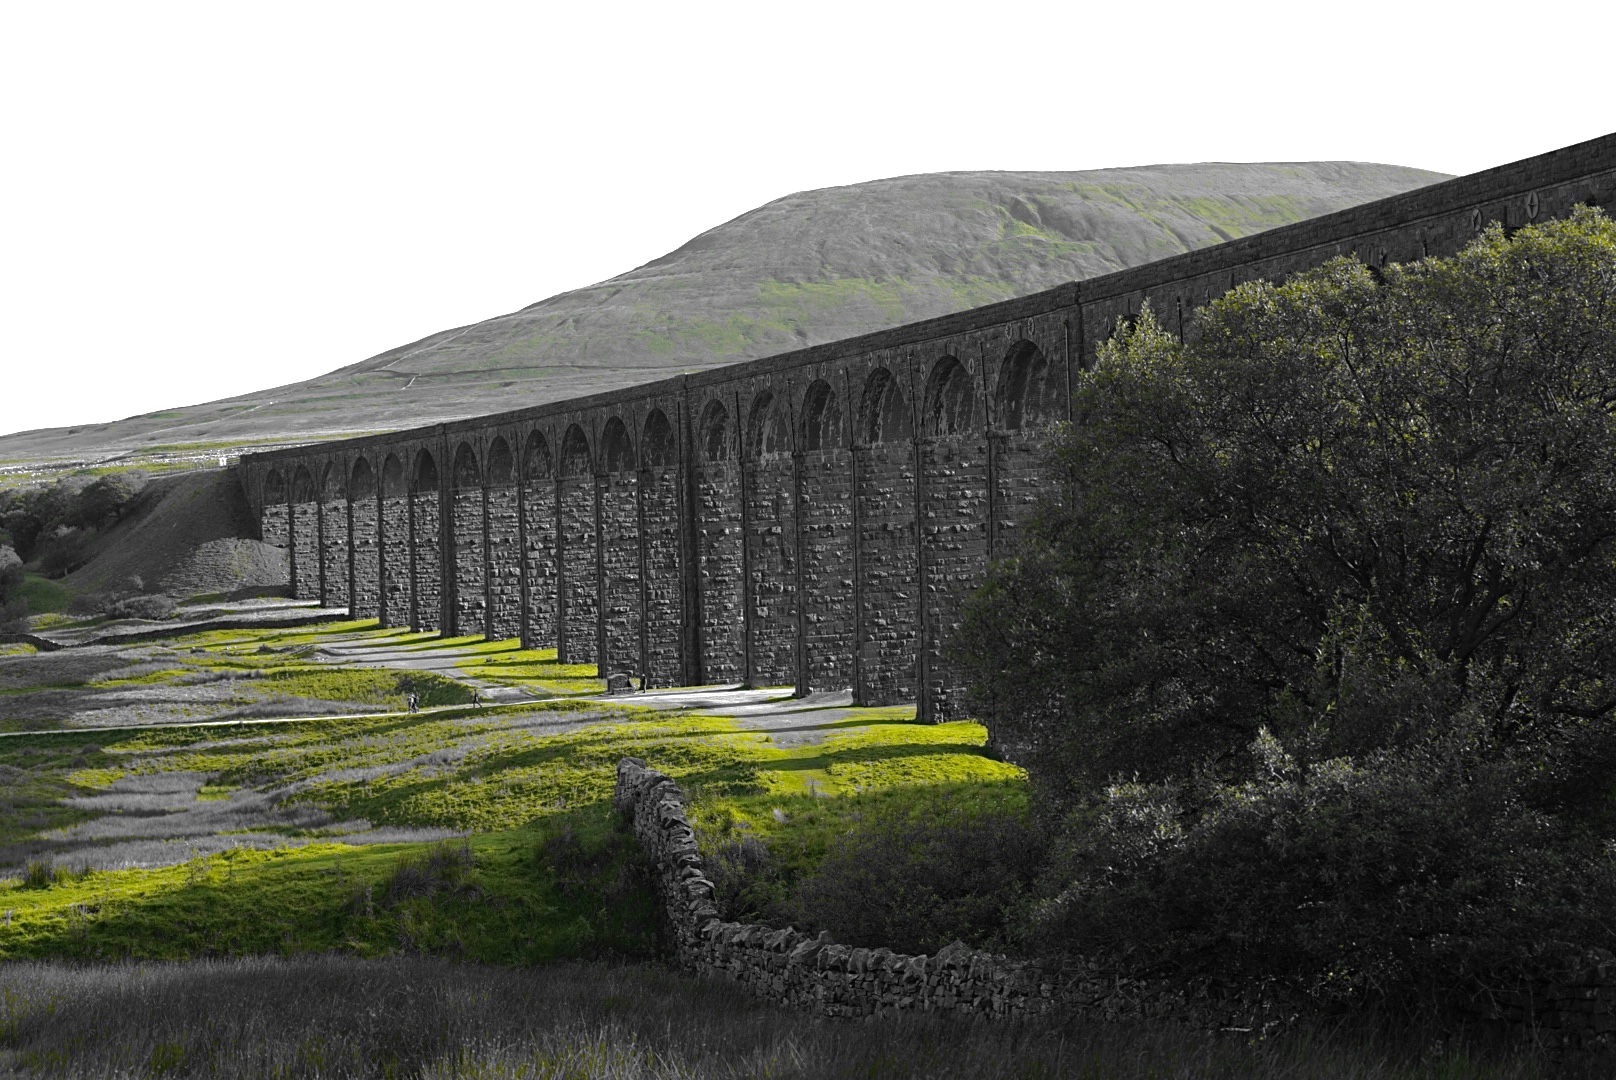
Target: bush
[1310, 651]
[919, 880]
[1422, 878]
[153, 606]
[445, 867]
[11, 575]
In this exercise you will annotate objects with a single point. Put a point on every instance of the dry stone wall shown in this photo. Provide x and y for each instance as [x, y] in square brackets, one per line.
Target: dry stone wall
[814, 518]
[812, 972]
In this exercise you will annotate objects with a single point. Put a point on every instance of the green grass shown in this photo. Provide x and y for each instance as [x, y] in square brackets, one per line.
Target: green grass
[508, 664]
[512, 777]
[334, 1016]
[44, 595]
[514, 906]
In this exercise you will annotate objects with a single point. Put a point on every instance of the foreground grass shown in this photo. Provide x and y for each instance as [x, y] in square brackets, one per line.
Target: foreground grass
[334, 1017]
[273, 816]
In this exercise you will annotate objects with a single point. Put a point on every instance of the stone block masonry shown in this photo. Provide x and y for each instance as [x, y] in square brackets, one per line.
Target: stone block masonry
[815, 518]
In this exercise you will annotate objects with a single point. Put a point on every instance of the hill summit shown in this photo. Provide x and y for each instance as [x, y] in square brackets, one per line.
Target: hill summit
[802, 270]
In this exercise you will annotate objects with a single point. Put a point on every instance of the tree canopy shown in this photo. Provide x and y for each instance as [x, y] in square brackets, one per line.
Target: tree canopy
[1363, 524]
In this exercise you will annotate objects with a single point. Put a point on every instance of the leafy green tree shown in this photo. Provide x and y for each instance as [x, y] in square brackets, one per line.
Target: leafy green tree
[1363, 525]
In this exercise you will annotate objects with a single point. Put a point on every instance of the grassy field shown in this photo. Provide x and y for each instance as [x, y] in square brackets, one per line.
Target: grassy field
[449, 894]
[331, 1016]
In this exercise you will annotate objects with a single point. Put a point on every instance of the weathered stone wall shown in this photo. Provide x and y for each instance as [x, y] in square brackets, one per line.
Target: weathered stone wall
[580, 572]
[306, 550]
[813, 973]
[539, 502]
[829, 571]
[470, 564]
[888, 579]
[365, 545]
[718, 559]
[274, 524]
[334, 553]
[504, 564]
[772, 563]
[395, 554]
[426, 562]
[953, 526]
[664, 577]
[620, 563]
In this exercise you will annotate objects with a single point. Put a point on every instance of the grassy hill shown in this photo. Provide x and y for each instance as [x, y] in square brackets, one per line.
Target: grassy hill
[809, 268]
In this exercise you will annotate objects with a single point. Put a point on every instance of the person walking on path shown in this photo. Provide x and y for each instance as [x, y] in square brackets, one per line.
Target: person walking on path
[411, 701]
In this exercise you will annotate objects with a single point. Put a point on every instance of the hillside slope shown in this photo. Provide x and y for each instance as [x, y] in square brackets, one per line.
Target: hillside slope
[809, 268]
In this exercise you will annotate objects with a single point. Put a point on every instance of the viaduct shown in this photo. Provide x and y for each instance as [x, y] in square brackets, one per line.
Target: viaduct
[813, 519]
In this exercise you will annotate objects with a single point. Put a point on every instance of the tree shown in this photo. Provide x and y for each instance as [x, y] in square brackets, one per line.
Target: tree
[1363, 525]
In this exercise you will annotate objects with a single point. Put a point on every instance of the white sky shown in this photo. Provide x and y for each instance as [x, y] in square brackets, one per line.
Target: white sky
[199, 200]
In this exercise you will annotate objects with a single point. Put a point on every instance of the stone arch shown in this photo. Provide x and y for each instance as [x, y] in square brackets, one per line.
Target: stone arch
[501, 469]
[392, 477]
[426, 473]
[536, 457]
[467, 476]
[714, 432]
[333, 484]
[362, 484]
[821, 418]
[657, 444]
[883, 416]
[769, 431]
[1023, 396]
[303, 485]
[616, 447]
[575, 453]
[950, 399]
[274, 488]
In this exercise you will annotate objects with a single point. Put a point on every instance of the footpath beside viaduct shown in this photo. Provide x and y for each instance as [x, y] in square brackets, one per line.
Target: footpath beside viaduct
[812, 519]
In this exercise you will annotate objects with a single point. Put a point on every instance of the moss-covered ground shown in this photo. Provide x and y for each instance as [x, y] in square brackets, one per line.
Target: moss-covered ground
[276, 835]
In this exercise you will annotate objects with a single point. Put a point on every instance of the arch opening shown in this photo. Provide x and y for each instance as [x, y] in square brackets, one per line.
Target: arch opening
[363, 483]
[616, 448]
[466, 473]
[883, 417]
[821, 417]
[575, 453]
[657, 443]
[303, 485]
[274, 487]
[392, 477]
[536, 457]
[1023, 392]
[950, 399]
[714, 437]
[332, 485]
[769, 432]
[501, 468]
[426, 474]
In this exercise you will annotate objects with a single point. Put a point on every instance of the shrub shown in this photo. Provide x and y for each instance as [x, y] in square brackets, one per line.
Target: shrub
[153, 606]
[445, 867]
[1419, 877]
[918, 880]
[1310, 648]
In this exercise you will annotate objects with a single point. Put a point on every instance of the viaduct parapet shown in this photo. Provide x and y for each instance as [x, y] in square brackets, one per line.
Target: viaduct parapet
[813, 519]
